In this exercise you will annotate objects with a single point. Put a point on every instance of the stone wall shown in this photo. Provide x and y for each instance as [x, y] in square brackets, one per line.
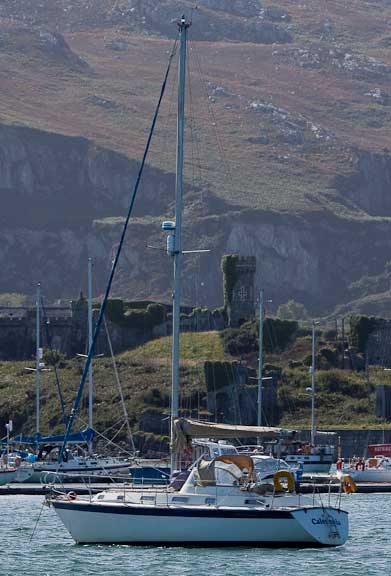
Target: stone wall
[232, 394]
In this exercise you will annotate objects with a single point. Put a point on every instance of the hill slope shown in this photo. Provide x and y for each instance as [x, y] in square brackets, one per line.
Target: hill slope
[296, 131]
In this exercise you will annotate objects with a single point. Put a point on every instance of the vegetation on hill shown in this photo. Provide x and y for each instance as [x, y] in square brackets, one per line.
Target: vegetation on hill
[344, 398]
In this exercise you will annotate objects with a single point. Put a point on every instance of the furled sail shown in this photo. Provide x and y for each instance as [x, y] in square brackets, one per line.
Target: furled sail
[185, 429]
[82, 437]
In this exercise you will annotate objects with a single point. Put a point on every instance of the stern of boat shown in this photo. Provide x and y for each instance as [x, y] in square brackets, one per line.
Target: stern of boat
[327, 526]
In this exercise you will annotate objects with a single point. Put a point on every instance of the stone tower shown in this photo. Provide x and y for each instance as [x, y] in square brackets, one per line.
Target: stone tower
[239, 294]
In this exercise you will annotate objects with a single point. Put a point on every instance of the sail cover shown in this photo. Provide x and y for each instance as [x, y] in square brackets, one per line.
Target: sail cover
[82, 437]
[186, 429]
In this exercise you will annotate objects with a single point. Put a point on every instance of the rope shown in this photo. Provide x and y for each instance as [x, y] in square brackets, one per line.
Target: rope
[36, 524]
[49, 341]
[116, 259]
[126, 415]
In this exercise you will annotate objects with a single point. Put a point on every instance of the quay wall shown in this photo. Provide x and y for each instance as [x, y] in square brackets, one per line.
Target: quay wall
[355, 442]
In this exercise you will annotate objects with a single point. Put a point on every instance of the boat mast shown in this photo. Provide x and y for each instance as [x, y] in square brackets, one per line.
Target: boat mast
[38, 357]
[260, 358]
[183, 26]
[313, 368]
[90, 371]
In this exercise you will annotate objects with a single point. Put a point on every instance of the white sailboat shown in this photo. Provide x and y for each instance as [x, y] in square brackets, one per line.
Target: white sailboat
[375, 469]
[12, 469]
[47, 467]
[222, 502]
[314, 457]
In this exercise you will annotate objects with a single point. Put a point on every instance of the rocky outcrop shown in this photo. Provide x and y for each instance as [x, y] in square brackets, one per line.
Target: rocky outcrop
[240, 7]
[213, 19]
[50, 47]
[64, 199]
[49, 181]
[369, 186]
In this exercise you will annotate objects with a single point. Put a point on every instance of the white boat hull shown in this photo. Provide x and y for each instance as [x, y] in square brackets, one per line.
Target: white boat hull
[204, 526]
[7, 476]
[370, 475]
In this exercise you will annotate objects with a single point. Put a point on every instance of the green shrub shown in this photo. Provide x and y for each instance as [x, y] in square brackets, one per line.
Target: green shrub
[329, 355]
[277, 334]
[157, 313]
[145, 319]
[335, 381]
[54, 358]
[220, 374]
[114, 310]
[292, 310]
[295, 364]
[155, 397]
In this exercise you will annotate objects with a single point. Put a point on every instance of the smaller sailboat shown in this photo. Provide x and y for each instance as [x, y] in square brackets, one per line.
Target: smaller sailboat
[7, 473]
[73, 465]
[375, 468]
[313, 456]
[12, 469]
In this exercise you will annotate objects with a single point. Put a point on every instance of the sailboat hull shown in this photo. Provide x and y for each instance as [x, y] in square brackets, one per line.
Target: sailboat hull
[206, 526]
[7, 475]
[49, 471]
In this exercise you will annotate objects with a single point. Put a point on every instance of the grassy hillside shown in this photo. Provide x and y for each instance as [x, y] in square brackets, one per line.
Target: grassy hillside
[271, 125]
[344, 398]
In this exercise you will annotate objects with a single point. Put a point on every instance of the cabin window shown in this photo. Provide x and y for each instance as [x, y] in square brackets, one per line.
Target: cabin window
[120, 497]
[251, 501]
[210, 501]
[180, 499]
[101, 497]
[148, 498]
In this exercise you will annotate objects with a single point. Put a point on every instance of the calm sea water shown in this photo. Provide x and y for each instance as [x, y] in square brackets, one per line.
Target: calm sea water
[52, 551]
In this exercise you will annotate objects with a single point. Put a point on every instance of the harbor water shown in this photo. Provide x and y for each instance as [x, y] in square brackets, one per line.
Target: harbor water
[34, 542]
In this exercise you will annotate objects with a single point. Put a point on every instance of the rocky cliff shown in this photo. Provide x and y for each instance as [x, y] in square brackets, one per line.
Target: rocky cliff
[295, 166]
[63, 199]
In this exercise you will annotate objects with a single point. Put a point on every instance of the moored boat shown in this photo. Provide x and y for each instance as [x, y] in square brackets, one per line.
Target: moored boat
[374, 469]
[223, 501]
[221, 504]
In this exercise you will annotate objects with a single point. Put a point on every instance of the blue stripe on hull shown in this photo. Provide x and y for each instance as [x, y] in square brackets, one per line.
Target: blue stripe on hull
[131, 510]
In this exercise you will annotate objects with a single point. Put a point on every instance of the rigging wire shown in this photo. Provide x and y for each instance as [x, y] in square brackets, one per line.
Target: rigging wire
[227, 168]
[117, 255]
[50, 346]
[124, 409]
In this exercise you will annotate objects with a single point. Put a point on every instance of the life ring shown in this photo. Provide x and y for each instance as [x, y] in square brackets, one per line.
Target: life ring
[348, 485]
[71, 496]
[288, 476]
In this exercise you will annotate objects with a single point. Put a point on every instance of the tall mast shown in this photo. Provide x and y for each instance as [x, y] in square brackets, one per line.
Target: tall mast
[90, 371]
[313, 368]
[260, 358]
[38, 357]
[183, 25]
